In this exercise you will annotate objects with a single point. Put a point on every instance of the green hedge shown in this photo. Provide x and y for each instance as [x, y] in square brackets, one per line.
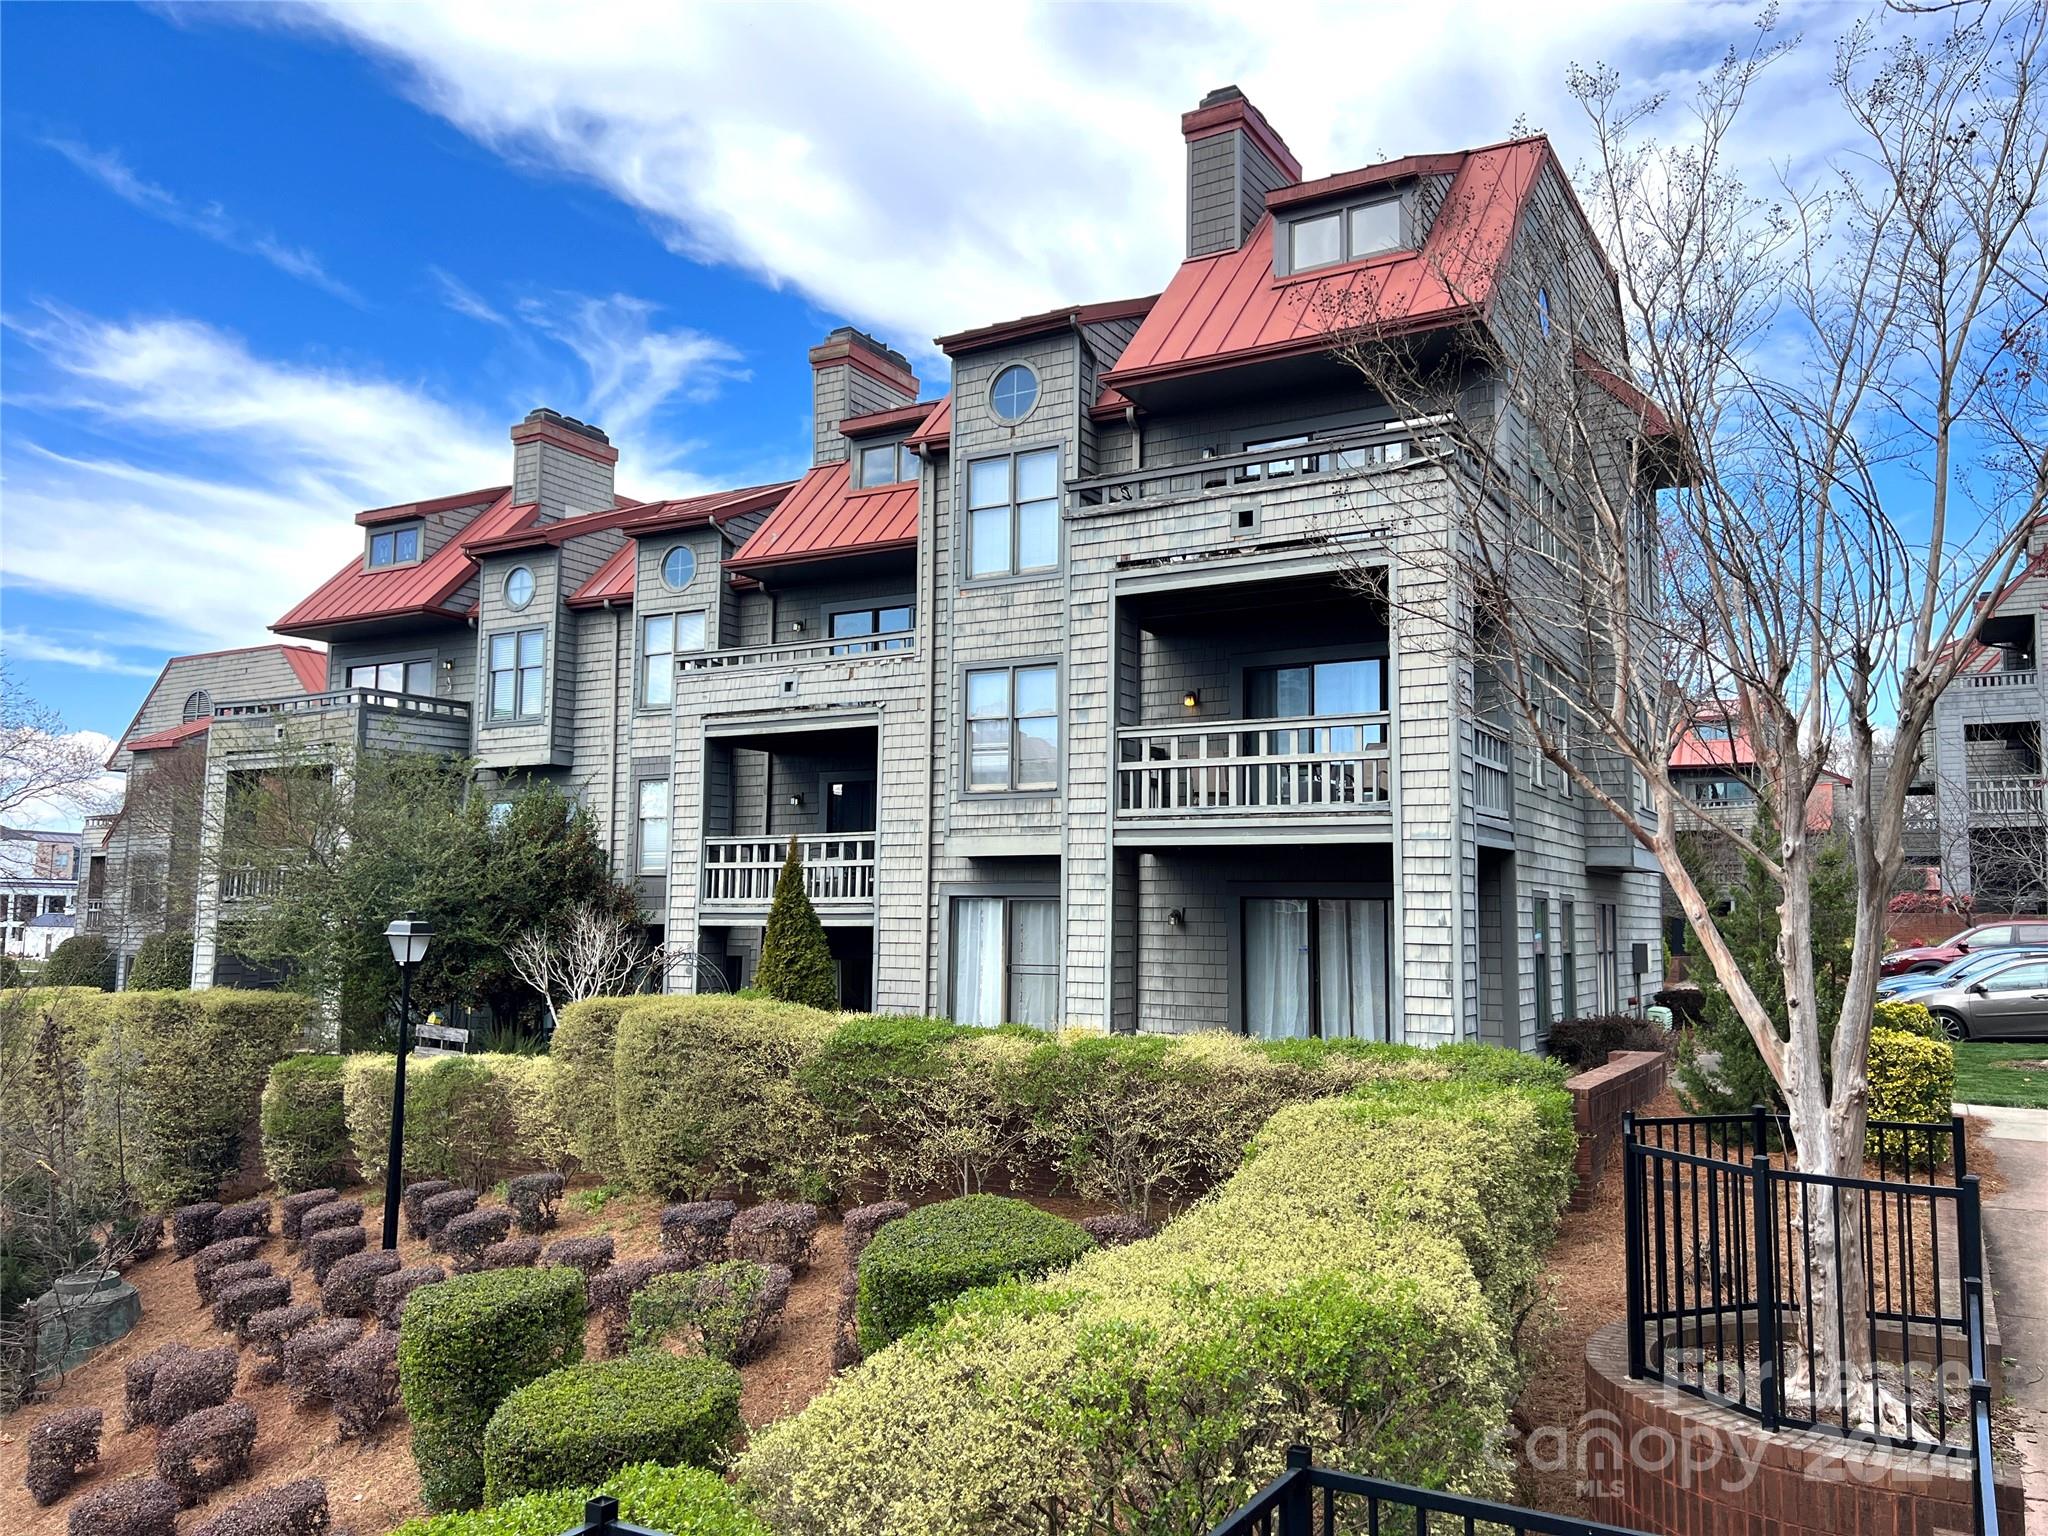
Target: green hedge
[679, 1501]
[583, 1423]
[467, 1344]
[474, 1119]
[581, 1088]
[934, 1254]
[1355, 1285]
[305, 1128]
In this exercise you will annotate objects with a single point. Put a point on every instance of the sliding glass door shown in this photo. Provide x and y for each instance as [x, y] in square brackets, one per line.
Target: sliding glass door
[1316, 968]
[1006, 960]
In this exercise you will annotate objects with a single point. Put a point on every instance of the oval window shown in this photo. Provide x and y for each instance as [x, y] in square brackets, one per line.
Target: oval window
[1014, 392]
[518, 587]
[677, 567]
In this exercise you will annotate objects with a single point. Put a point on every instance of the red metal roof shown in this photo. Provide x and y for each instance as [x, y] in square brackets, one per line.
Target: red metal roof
[823, 518]
[613, 581]
[883, 421]
[1064, 318]
[1229, 308]
[610, 582]
[937, 430]
[169, 737]
[411, 509]
[354, 593]
[310, 666]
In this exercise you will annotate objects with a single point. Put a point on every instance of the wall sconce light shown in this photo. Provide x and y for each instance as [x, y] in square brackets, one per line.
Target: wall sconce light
[796, 626]
[796, 799]
[1176, 917]
[1192, 699]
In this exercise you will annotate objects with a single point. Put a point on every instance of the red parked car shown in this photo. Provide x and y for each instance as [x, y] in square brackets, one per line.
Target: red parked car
[1932, 957]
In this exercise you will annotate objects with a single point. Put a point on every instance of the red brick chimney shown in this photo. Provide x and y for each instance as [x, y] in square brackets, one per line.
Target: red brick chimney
[1234, 159]
[561, 463]
[852, 374]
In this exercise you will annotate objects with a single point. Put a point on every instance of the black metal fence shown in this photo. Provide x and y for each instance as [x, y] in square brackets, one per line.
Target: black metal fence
[601, 1518]
[1307, 1500]
[1733, 1254]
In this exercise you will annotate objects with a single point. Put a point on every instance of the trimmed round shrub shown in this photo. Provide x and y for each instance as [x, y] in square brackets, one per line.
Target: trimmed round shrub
[698, 1228]
[325, 1218]
[192, 1227]
[732, 1308]
[581, 1424]
[294, 1207]
[468, 1235]
[267, 1333]
[413, 1198]
[135, 1506]
[215, 1257]
[207, 1450]
[309, 1357]
[776, 1232]
[62, 1448]
[234, 1305]
[162, 963]
[350, 1289]
[138, 1380]
[436, 1211]
[934, 1254]
[83, 960]
[362, 1380]
[290, 1509]
[324, 1250]
[1114, 1231]
[590, 1255]
[513, 1253]
[187, 1383]
[305, 1128]
[235, 1274]
[464, 1347]
[534, 1198]
[249, 1219]
[393, 1289]
[688, 1501]
[611, 1292]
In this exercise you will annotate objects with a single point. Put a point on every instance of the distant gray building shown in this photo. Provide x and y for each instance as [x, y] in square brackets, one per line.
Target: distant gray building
[1085, 688]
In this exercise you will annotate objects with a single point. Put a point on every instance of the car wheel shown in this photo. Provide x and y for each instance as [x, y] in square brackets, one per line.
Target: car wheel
[1952, 1025]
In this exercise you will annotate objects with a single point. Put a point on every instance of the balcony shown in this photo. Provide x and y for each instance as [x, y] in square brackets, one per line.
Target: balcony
[2009, 802]
[740, 873]
[363, 717]
[251, 882]
[807, 653]
[2025, 677]
[1394, 446]
[1237, 771]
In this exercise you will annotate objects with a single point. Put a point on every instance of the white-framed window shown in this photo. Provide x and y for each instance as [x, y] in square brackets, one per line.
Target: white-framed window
[1013, 393]
[395, 546]
[1013, 513]
[1345, 234]
[678, 566]
[1006, 960]
[884, 464]
[662, 637]
[518, 587]
[518, 662]
[651, 826]
[857, 631]
[393, 677]
[1013, 728]
[198, 706]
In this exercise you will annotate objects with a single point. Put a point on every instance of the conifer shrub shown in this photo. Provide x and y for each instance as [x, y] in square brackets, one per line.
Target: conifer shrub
[305, 1126]
[464, 1347]
[207, 1450]
[587, 1255]
[309, 1358]
[190, 1380]
[296, 1508]
[323, 1250]
[267, 1333]
[393, 1290]
[936, 1253]
[135, 1506]
[586, 1422]
[62, 1448]
[685, 1501]
[775, 1232]
[731, 1310]
[796, 960]
[292, 1208]
[362, 1381]
[534, 1198]
[350, 1289]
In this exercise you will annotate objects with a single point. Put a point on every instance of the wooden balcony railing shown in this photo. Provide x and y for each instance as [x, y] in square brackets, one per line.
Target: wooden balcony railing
[1297, 767]
[839, 872]
[344, 698]
[2010, 678]
[1393, 445]
[849, 648]
[251, 882]
[1493, 772]
[2010, 801]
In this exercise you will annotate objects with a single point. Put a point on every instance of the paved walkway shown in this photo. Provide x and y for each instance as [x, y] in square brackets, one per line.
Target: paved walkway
[2017, 1254]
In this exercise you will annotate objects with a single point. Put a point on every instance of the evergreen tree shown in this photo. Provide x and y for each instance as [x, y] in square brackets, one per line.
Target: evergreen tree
[796, 962]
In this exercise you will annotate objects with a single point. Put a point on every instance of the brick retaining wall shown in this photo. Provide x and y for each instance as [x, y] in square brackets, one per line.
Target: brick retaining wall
[1600, 1096]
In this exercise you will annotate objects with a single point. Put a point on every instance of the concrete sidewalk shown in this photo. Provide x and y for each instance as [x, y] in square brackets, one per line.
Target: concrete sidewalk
[2016, 1254]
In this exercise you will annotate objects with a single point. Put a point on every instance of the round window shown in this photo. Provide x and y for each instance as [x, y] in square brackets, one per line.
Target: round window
[518, 587]
[677, 567]
[1014, 392]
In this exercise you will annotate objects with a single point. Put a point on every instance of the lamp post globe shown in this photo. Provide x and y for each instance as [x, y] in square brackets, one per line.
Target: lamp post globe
[408, 937]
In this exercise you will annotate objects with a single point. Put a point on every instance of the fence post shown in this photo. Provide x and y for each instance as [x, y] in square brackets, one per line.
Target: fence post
[1763, 1239]
[1962, 1148]
[1758, 1146]
[1297, 1515]
[1632, 1242]
[599, 1515]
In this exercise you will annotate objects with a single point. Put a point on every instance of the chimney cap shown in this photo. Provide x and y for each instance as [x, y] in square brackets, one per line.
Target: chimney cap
[1221, 94]
[542, 413]
[1227, 108]
[845, 336]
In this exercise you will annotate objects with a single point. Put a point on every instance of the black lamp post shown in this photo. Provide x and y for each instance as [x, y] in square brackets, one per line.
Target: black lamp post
[408, 937]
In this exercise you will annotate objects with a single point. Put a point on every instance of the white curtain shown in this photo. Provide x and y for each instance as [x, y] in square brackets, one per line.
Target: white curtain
[1352, 981]
[977, 960]
[1035, 961]
[1276, 968]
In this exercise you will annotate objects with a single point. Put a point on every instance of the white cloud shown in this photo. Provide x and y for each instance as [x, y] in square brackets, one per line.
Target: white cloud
[111, 171]
[25, 645]
[465, 300]
[924, 168]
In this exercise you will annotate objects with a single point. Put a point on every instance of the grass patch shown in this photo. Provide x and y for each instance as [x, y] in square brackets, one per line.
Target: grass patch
[1987, 1072]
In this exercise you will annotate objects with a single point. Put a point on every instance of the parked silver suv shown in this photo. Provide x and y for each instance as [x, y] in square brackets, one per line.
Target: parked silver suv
[2004, 1002]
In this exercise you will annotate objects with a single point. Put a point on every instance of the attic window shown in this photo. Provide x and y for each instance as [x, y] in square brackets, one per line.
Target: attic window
[198, 706]
[1345, 234]
[395, 546]
[885, 464]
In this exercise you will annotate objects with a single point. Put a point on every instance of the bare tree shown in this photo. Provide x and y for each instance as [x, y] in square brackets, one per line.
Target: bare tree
[589, 951]
[1761, 464]
[40, 762]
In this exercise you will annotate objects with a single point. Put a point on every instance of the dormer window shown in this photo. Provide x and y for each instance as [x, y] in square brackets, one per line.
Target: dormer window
[884, 464]
[1337, 235]
[395, 546]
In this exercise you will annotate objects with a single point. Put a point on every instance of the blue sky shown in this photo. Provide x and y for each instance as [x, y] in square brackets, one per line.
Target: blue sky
[261, 267]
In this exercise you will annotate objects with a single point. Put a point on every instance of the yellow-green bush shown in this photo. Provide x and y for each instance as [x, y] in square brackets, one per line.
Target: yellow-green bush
[474, 1119]
[1907, 1019]
[1912, 1077]
[581, 1086]
[1354, 1285]
[680, 1501]
[305, 1129]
